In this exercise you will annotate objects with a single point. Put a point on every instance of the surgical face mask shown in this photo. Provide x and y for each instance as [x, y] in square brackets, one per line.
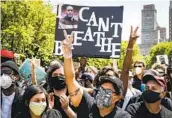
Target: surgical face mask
[103, 98]
[151, 96]
[6, 81]
[138, 70]
[37, 108]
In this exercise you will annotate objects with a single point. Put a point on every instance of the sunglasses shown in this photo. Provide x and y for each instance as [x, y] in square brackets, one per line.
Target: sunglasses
[138, 66]
[108, 91]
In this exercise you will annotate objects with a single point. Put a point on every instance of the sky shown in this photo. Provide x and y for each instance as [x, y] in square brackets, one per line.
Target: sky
[132, 12]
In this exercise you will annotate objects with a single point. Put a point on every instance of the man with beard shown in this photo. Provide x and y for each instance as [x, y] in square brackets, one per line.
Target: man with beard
[155, 91]
[11, 92]
[68, 22]
[57, 85]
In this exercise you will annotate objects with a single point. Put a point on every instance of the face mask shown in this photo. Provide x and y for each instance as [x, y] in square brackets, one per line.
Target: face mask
[58, 82]
[151, 96]
[138, 70]
[103, 99]
[37, 108]
[5, 81]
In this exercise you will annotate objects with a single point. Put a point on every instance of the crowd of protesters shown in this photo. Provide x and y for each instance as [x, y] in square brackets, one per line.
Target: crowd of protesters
[88, 92]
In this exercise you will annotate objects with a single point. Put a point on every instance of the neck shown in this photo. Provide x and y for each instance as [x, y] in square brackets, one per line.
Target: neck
[106, 111]
[139, 76]
[34, 116]
[10, 90]
[154, 107]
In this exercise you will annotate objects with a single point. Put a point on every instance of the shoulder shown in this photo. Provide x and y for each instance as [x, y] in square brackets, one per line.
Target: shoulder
[121, 113]
[133, 108]
[167, 103]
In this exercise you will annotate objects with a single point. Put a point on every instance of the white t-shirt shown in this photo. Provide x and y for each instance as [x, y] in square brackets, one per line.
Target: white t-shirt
[7, 105]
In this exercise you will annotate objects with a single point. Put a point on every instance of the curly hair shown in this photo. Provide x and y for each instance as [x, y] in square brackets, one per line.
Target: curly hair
[103, 72]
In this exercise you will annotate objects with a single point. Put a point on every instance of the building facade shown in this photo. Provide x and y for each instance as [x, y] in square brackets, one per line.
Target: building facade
[149, 28]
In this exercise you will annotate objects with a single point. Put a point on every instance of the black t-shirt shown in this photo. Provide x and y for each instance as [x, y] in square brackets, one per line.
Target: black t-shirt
[88, 109]
[166, 102]
[139, 110]
[57, 106]
[137, 83]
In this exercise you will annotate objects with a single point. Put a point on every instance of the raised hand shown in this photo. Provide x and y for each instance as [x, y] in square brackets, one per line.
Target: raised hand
[133, 35]
[67, 44]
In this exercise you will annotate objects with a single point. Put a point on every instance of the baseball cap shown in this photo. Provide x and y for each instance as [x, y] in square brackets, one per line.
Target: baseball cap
[153, 75]
[87, 76]
[10, 64]
[116, 82]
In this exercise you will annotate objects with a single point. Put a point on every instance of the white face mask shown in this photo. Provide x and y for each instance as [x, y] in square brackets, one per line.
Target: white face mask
[5, 81]
[138, 70]
[37, 108]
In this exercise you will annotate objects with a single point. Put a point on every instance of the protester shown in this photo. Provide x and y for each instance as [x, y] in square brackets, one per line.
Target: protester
[11, 92]
[35, 104]
[169, 80]
[109, 93]
[6, 55]
[139, 68]
[159, 68]
[154, 92]
[86, 80]
[92, 70]
[107, 70]
[57, 85]
[130, 91]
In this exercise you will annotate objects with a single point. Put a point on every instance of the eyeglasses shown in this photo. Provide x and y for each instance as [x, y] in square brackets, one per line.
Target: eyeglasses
[138, 66]
[108, 91]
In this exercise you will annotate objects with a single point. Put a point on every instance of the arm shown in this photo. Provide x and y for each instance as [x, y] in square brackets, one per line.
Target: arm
[75, 90]
[70, 113]
[128, 58]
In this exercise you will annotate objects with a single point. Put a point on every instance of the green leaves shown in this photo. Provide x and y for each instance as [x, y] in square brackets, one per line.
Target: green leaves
[28, 28]
[164, 48]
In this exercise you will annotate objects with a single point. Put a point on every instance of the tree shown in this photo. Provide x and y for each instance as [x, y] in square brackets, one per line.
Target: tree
[135, 56]
[164, 48]
[28, 28]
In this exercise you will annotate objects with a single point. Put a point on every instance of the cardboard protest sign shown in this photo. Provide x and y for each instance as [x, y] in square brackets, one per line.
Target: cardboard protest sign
[25, 72]
[97, 30]
[162, 59]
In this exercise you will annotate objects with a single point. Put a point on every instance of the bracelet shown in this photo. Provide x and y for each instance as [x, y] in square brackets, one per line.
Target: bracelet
[129, 49]
[67, 56]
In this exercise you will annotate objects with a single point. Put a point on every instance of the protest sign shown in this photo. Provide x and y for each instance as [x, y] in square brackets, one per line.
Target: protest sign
[97, 30]
[162, 59]
[26, 72]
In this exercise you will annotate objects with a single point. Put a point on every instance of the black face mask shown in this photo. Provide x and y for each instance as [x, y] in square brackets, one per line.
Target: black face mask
[151, 96]
[58, 82]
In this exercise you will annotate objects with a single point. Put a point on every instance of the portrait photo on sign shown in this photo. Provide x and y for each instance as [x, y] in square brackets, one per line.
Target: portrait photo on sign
[162, 59]
[69, 17]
